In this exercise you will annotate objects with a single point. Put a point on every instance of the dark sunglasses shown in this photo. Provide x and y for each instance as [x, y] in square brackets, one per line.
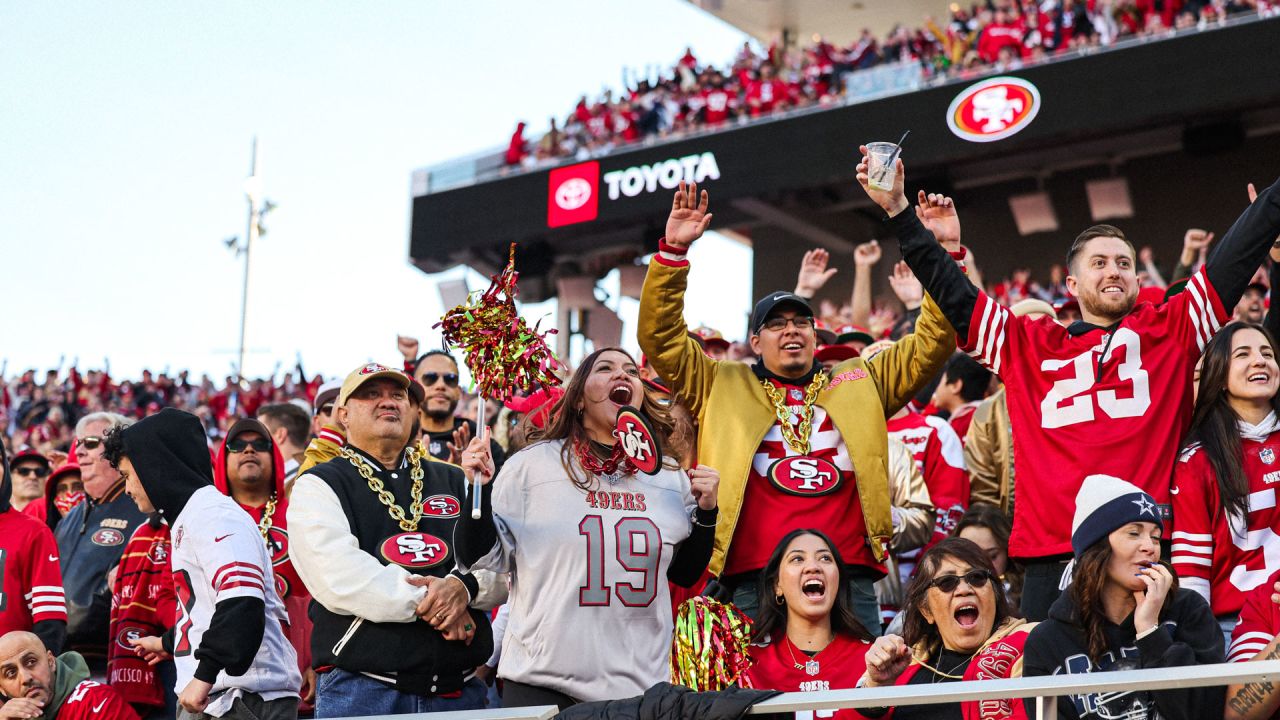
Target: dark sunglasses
[32, 471]
[93, 442]
[238, 445]
[948, 583]
[430, 378]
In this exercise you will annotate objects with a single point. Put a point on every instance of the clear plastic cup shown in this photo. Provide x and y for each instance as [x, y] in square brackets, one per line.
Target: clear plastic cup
[880, 166]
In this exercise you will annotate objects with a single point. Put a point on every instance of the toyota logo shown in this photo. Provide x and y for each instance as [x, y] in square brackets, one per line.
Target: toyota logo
[573, 193]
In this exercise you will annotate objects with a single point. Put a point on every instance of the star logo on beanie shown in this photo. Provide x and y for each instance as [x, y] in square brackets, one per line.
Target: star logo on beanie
[1145, 506]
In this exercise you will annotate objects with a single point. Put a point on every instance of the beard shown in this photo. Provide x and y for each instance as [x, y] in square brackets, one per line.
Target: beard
[437, 410]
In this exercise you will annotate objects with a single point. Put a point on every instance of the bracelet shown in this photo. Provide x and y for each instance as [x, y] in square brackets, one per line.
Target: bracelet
[664, 246]
[693, 517]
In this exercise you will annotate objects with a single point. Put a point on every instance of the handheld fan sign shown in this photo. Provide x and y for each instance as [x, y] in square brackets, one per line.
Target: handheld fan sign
[504, 354]
[638, 440]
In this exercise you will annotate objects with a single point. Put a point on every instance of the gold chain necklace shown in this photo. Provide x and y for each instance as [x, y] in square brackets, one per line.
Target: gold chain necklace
[264, 525]
[796, 438]
[813, 659]
[938, 673]
[385, 497]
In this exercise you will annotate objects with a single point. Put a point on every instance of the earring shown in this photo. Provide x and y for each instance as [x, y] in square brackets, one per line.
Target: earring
[779, 600]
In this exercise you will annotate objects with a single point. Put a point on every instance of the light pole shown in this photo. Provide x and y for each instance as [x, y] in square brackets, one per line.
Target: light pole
[258, 208]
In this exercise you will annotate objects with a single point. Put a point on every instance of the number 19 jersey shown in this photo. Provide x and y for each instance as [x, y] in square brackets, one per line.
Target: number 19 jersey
[1112, 401]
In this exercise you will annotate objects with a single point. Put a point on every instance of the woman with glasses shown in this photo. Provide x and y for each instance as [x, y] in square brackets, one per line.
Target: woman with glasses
[1124, 611]
[806, 636]
[957, 626]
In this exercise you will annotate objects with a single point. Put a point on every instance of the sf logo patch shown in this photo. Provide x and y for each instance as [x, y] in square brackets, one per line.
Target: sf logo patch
[107, 537]
[415, 550]
[804, 475]
[638, 441]
[443, 506]
[126, 634]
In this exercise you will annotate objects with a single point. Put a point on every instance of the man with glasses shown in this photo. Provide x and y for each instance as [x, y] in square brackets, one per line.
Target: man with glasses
[30, 470]
[444, 434]
[91, 539]
[797, 446]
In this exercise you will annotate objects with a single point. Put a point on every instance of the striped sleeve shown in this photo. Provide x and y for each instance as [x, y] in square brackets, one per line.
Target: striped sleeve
[1204, 311]
[989, 332]
[1192, 536]
[45, 600]
[1257, 626]
[239, 579]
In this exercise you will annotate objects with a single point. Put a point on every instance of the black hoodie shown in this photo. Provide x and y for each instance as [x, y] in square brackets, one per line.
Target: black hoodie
[171, 458]
[1188, 635]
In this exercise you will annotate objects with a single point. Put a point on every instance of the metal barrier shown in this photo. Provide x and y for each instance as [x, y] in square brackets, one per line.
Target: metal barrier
[1046, 690]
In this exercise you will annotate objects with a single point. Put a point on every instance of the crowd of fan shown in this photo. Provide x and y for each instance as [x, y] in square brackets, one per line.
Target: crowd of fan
[986, 36]
[286, 548]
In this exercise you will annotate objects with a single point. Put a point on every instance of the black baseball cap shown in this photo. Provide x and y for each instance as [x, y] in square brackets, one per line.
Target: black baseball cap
[775, 301]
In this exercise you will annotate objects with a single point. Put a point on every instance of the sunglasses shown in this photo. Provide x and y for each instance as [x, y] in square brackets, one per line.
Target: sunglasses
[32, 471]
[948, 583]
[239, 445]
[326, 409]
[430, 378]
[92, 442]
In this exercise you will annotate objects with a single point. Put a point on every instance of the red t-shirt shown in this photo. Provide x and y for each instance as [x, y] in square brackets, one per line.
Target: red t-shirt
[1098, 402]
[940, 456]
[94, 701]
[32, 586]
[830, 504]
[962, 418]
[1221, 557]
[1259, 622]
[838, 667]
[719, 104]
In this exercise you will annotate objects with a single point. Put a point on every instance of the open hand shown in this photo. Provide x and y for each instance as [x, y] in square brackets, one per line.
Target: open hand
[461, 438]
[906, 286]
[888, 657]
[938, 213]
[689, 217]
[813, 272]
[704, 482]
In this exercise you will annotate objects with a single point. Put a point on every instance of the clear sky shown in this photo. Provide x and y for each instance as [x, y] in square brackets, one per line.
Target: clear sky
[126, 132]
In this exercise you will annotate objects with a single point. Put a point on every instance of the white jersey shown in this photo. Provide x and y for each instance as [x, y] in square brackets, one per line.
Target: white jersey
[590, 606]
[218, 554]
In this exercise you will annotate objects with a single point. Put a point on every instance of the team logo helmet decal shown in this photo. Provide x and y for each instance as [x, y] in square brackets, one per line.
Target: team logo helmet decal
[993, 109]
[638, 440]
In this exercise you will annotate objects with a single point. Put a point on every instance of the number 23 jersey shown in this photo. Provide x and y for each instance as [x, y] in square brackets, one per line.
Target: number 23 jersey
[590, 607]
[1088, 400]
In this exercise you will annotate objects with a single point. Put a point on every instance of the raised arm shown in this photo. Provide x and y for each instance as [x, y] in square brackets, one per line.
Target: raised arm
[663, 334]
[929, 239]
[1233, 261]
[865, 257]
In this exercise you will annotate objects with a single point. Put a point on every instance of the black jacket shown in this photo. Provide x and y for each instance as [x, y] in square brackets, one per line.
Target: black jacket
[1188, 635]
[665, 701]
[171, 458]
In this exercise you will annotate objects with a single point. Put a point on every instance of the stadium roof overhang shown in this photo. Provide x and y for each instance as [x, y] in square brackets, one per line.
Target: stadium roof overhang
[793, 178]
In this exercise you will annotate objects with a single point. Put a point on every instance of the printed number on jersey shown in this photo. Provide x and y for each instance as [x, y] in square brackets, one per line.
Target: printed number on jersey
[1072, 399]
[1264, 539]
[186, 601]
[637, 549]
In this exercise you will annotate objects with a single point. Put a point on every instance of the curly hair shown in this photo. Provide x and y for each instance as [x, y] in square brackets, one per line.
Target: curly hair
[113, 445]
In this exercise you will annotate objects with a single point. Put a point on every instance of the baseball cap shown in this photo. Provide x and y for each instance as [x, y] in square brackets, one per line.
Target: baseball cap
[853, 333]
[29, 453]
[244, 425]
[327, 393]
[825, 334]
[774, 301]
[838, 353]
[536, 405]
[710, 337]
[373, 371]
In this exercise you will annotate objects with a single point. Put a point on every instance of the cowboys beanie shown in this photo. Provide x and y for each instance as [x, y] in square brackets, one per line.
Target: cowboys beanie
[1106, 503]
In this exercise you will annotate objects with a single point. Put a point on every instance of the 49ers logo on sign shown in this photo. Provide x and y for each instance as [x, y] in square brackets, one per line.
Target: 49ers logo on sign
[415, 550]
[993, 109]
[445, 506]
[571, 194]
[804, 475]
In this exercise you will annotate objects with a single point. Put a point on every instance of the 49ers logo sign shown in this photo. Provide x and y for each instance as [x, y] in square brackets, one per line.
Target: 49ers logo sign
[442, 506]
[993, 109]
[804, 475]
[415, 550]
[638, 440]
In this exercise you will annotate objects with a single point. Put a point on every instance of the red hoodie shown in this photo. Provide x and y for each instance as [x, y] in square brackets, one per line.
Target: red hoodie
[288, 584]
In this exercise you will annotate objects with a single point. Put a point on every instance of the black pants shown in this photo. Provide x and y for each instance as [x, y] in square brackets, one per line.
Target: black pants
[516, 694]
[1040, 586]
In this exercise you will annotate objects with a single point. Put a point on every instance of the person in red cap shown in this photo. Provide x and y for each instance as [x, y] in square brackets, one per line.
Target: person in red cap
[63, 492]
[30, 472]
[713, 343]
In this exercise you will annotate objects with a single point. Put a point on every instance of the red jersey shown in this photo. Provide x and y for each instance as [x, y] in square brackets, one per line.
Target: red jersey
[1259, 622]
[763, 95]
[837, 667]
[1222, 556]
[1115, 403]
[939, 455]
[32, 589]
[830, 504]
[94, 701]
[962, 418]
[718, 104]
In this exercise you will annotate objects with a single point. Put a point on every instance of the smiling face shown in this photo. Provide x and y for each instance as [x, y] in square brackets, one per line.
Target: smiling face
[1252, 376]
[379, 410]
[1133, 548]
[614, 381]
[98, 474]
[966, 616]
[26, 668]
[785, 347]
[1251, 307]
[808, 578]
[1104, 279]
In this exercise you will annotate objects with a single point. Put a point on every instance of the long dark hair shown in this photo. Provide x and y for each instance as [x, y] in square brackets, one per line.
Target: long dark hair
[565, 422]
[1088, 580]
[984, 515]
[915, 628]
[772, 616]
[1214, 424]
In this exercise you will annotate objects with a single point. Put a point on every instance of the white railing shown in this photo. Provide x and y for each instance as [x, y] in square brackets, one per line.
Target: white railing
[1045, 690]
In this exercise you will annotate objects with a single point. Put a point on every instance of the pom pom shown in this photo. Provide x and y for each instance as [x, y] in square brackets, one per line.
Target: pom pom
[504, 354]
[710, 648]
